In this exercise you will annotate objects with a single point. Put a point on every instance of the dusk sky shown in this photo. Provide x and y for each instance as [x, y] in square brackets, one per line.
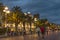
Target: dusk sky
[49, 9]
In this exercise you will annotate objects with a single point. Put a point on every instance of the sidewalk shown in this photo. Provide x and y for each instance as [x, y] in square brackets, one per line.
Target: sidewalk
[28, 36]
[51, 36]
[3, 36]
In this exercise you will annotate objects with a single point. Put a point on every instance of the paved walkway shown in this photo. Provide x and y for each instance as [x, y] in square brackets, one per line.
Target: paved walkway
[51, 36]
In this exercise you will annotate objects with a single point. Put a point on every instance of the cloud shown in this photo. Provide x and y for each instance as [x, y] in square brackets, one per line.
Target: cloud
[47, 8]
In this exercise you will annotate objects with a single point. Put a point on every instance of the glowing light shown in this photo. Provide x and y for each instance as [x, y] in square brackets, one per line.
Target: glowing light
[6, 8]
[13, 25]
[32, 25]
[25, 13]
[35, 19]
[28, 12]
[12, 29]
[8, 11]
[18, 25]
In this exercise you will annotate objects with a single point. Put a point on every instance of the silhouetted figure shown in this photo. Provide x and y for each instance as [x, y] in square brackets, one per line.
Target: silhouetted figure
[38, 31]
[42, 28]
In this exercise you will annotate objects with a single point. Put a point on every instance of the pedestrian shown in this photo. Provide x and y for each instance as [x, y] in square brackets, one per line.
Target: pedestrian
[42, 28]
[38, 30]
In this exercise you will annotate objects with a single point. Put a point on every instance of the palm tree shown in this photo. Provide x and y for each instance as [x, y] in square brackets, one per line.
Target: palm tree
[18, 16]
[29, 20]
[37, 15]
[36, 19]
[24, 21]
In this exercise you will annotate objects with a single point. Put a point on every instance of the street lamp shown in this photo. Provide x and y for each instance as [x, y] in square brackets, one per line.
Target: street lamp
[6, 8]
[6, 11]
[29, 13]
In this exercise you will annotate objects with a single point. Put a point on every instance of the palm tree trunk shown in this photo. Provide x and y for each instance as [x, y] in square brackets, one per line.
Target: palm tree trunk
[24, 31]
[16, 28]
[30, 28]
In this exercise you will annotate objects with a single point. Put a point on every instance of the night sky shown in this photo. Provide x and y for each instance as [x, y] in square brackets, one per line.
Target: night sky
[49, 9]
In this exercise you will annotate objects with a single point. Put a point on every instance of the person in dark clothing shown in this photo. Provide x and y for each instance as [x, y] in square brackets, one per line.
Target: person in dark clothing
[43, 28]
[42, 31]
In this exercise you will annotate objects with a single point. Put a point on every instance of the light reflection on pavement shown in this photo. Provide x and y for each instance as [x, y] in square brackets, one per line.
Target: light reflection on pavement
[51, 36]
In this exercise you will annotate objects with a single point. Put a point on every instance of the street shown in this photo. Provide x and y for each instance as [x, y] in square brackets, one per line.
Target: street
[51, 36]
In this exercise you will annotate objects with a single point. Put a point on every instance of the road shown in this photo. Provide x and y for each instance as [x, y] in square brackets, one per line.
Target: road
[51, 36]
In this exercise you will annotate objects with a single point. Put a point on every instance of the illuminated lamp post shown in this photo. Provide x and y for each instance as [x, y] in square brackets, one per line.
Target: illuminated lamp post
[6, 11]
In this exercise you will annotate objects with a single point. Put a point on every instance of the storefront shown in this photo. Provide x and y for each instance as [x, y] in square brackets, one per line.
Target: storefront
[20, 27]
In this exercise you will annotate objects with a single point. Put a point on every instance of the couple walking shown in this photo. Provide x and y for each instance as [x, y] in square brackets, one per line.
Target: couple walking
[41, 30]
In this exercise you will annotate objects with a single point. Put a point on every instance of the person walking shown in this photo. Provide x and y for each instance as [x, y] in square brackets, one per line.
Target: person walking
[38, 30]
[42, 28]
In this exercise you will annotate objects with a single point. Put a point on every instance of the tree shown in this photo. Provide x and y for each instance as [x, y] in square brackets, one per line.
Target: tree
[37, 20]
[17, 16]
[45, 21]
[37, 15]
[29, 20]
